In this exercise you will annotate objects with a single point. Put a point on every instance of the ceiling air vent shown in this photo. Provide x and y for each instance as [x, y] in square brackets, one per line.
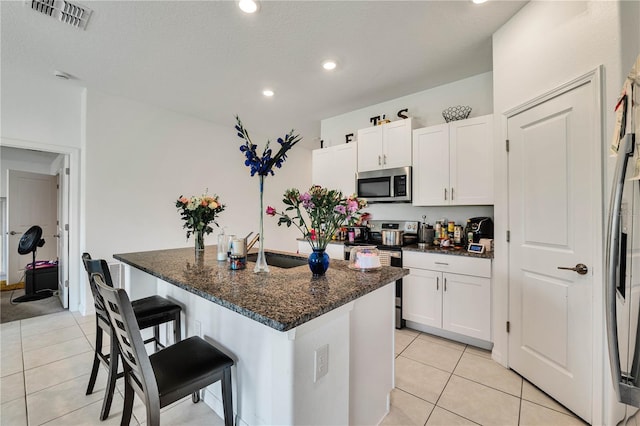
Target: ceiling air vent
[70, 13]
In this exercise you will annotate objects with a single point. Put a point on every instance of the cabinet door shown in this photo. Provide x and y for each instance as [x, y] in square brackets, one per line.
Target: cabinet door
[335, 251]
[335, 167]
[466, 305]
[471, 161]
[422, 297]
[396, 144]
[321, 167]
[370, 148]
[304, 247]
[343, 168]
[431, 166]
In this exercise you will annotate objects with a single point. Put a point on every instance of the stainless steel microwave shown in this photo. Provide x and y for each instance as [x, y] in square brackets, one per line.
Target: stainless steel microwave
[385, 186]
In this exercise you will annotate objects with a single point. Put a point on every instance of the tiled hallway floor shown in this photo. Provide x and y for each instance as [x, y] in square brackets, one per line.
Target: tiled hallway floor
[46, 362]
[440, 382]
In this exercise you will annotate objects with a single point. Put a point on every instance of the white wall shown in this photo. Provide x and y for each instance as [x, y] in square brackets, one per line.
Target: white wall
[425, 107]
[140, 159]
[544, 45]
[45, 114]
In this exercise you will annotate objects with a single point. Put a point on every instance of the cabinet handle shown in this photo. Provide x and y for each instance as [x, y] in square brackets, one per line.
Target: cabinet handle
[384, 159]
[437, 283]
[445, 284]
[379, 163]
[451, 193]
[445, 194]
[441, 263]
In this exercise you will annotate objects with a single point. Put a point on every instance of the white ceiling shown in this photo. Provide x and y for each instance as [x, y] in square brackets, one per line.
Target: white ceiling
[209, 60]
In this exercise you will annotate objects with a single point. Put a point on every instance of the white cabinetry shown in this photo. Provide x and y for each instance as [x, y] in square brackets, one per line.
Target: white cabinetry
[453, 163]
[335, 167]
[334, 250]
[448, 292]
[386, 146]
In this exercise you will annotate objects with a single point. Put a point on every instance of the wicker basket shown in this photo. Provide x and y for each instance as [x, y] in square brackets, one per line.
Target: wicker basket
[458, 112]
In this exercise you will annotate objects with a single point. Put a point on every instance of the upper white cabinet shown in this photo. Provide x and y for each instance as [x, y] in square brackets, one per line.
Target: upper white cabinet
[453, 163]
[386, 146]
[335, 167]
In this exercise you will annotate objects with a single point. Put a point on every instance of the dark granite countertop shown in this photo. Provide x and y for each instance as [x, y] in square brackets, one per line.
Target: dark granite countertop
[282, 299]
[451, 251]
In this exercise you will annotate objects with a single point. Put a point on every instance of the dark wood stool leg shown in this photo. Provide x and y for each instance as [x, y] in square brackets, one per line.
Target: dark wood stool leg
[227, 399]
[177, 329]
[96, 359]
[111, 379]
[156, 337]
[127, 409]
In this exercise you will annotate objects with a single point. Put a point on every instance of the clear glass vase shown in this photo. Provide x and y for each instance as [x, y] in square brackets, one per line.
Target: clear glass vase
[261, 261]
[198, 236]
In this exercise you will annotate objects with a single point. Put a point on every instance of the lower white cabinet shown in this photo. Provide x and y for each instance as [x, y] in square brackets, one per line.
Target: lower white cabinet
[334, 250]
[448, 292]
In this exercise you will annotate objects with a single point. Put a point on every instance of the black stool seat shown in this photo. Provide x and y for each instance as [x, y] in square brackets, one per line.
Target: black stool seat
[154, 310]
[177, 378]
[149, 312]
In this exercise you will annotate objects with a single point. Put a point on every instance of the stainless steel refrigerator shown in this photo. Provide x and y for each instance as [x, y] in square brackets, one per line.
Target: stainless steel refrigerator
[622, 286]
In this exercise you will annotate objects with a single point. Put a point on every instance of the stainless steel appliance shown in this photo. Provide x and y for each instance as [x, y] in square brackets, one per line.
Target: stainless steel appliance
[622, 288]
[390, 254]
[385, 186]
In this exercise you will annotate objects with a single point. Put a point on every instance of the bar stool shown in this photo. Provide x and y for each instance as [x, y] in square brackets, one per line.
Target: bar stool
[149, 312]
[166, 376]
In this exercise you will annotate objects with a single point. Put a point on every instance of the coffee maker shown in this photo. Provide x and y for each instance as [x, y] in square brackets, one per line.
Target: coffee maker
[477, 228]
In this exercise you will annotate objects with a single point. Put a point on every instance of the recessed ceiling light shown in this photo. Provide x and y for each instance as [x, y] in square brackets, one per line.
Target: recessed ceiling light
[248, 6]
[479, 1]
[329, 65]
[268, 93]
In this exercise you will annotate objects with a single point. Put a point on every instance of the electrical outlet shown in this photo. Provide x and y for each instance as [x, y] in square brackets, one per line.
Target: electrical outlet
[197, 328]
[321, 364]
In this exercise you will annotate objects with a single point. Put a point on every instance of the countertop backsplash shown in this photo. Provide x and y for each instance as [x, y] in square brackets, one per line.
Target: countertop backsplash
[400, 211]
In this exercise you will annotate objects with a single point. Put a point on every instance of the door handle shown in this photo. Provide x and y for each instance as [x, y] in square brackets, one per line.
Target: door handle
[14, 233]
[580, 268]
[56, 235]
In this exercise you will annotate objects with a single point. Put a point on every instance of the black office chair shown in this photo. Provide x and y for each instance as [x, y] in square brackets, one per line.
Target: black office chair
[164, 377]
[149, 312]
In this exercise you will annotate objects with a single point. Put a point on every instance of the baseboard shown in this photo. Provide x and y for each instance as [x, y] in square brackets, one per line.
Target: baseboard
[5, 287]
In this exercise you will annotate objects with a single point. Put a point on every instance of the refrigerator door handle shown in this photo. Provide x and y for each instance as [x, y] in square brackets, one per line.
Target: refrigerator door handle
[624, 386]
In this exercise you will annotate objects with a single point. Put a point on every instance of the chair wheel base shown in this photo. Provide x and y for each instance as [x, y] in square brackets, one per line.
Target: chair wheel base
[195, 397]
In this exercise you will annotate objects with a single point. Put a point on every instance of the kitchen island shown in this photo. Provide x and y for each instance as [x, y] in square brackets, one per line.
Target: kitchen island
[307, 350]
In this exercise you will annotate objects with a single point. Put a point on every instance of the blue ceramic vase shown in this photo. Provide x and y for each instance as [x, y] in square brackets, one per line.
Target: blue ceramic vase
[318, 262]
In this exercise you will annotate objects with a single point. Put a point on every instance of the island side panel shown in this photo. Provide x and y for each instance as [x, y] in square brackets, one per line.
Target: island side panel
[372, 356]
[263, 376]
[274, 373]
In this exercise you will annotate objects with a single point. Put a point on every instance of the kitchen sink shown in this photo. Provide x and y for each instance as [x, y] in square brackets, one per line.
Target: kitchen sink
[279, 260]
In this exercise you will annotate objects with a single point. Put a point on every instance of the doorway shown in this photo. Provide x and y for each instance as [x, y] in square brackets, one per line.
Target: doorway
[51, 183]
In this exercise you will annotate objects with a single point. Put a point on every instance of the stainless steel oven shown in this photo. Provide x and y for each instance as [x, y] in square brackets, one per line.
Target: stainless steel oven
[389, 255]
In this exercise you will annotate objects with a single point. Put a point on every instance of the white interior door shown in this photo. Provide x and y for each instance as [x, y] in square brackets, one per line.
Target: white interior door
[32, 200]
[551, 200]
[62, 233]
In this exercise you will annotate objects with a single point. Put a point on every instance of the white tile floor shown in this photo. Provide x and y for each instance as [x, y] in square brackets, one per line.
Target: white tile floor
[440, 382]
[46, 362]
[44, 371]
